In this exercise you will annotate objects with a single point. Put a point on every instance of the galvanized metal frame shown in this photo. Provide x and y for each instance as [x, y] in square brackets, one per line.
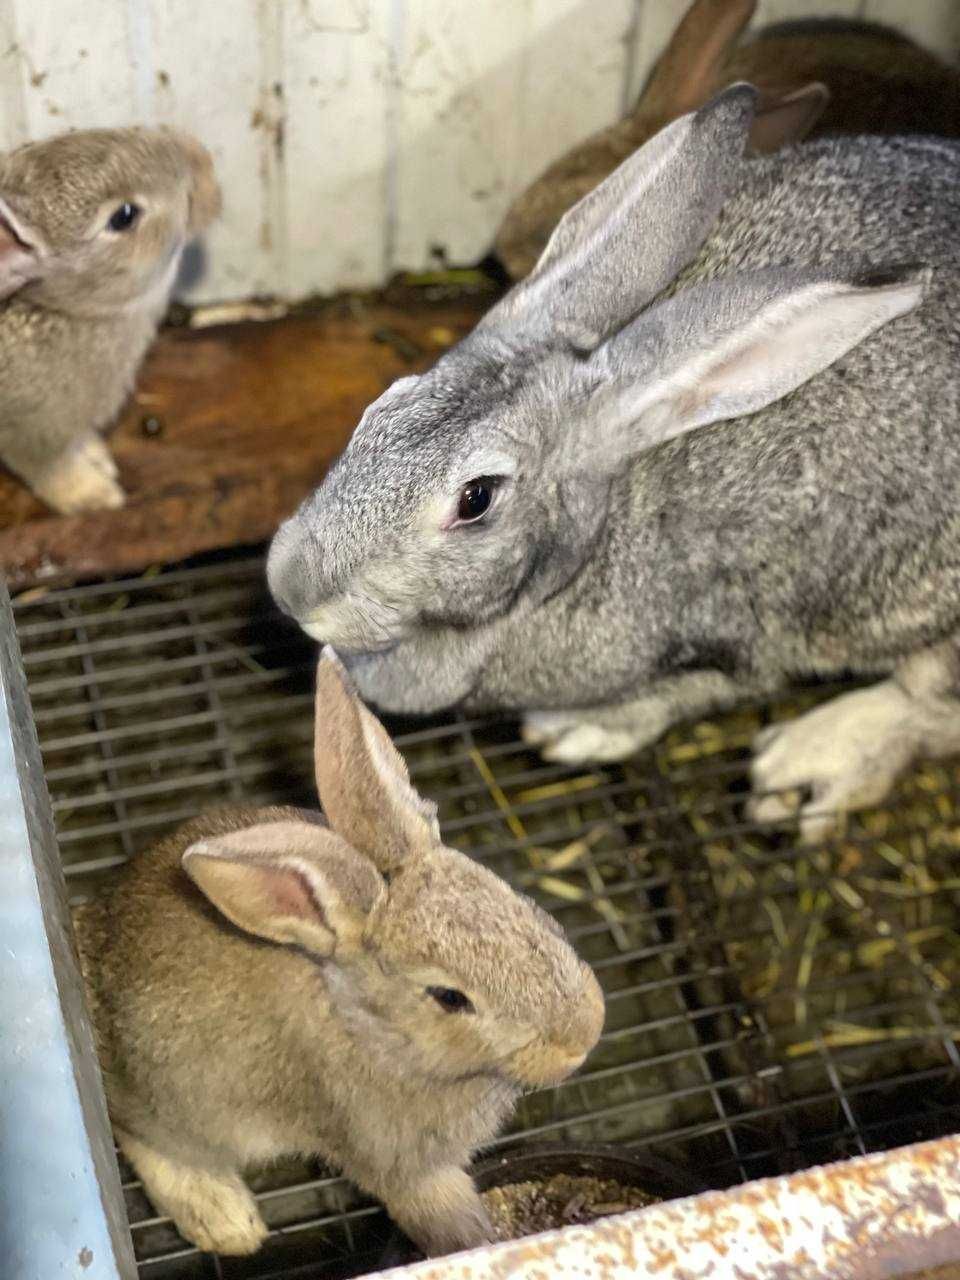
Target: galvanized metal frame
[61, 1211]
[61, 1205]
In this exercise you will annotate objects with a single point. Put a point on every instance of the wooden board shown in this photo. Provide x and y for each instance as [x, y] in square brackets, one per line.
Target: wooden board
[249, 418]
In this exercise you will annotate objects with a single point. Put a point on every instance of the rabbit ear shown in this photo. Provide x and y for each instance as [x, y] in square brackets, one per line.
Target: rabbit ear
[787, 117]
[613, 252]
[362, 780]
[21, 252]
[689, 67]
[290, 882]
[729, 348]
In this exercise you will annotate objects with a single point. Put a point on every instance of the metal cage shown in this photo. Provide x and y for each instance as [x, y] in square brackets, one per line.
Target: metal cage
[770, 1008]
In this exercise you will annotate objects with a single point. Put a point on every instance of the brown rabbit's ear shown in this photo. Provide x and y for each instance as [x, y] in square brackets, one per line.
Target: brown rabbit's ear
[290, 882]
[21, 252]
[688, 71]
[784, 117]
[362, 781]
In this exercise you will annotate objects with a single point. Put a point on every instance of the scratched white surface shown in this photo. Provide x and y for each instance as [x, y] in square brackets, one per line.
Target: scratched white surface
[355, 138]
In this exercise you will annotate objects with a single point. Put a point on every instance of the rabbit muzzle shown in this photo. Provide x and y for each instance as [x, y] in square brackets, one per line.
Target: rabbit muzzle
[544, 1063]
[347, 617]
[550, 1058]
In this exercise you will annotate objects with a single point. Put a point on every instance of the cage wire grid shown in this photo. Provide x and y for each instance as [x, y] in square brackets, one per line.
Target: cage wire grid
[768, 1007]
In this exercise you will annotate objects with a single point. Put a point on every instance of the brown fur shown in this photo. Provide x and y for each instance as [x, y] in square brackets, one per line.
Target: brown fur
[82, 301]
[221, 1048]
[875, 81]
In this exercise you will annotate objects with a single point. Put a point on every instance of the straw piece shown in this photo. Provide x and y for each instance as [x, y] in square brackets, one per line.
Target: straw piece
[517, 829]
[565, 787]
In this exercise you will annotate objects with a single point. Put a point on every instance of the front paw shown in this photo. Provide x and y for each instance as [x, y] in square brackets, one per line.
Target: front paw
[225, 1221]
[83, 479]
[442, 1213]
[842, 756]
[566, 737]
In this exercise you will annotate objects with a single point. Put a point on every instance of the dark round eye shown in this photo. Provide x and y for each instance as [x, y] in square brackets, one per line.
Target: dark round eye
[450, 1000]
[475, 498]
[123, 217]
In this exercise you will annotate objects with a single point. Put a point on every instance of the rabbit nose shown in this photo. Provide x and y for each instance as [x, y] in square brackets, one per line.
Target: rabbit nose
[584, 1029]
[289, 571]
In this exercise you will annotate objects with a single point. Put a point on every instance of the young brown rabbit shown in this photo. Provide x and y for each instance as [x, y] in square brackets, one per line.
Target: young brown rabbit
[815, 76]
[92, 227]
[263, 984]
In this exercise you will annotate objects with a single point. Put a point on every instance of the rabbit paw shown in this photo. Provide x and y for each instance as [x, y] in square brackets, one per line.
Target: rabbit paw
[84, 479]
[842, 756]
[215, 1211]
[566, 738]
[221, 1217]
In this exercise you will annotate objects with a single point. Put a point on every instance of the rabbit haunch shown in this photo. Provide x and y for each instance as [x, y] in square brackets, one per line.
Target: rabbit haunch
[263, 983]
[92, 227]
[815, 75]
[634, 568]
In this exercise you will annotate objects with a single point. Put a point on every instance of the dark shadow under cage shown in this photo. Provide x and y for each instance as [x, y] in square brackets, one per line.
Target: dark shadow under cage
[768, 1007]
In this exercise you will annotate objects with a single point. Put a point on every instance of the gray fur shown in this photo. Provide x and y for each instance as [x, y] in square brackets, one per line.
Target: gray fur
[816, 537]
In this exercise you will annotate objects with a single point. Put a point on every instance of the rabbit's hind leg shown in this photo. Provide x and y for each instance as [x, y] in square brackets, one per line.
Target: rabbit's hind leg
[213, 1210]
[848, 753]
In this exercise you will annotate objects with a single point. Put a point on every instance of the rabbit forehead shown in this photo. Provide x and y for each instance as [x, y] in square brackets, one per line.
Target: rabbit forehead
[62, 181]
[478, 408]
[448, 913]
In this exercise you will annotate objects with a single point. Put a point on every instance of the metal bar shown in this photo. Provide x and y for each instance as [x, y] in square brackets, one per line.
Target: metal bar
[61, 1207]
[876, 1217]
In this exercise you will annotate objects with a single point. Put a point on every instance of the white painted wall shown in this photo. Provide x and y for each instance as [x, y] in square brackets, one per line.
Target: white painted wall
[352, 136]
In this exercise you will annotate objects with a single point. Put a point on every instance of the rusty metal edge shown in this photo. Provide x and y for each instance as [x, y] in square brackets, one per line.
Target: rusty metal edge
[877, 1217]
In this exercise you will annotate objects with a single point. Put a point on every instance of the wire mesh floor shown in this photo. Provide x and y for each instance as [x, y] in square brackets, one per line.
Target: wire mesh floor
[767, 1007]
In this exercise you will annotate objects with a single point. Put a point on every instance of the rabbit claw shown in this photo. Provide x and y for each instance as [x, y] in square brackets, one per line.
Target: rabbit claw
[842, 756]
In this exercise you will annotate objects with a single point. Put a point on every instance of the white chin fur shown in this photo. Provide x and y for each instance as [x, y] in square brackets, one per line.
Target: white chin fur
[314, 631]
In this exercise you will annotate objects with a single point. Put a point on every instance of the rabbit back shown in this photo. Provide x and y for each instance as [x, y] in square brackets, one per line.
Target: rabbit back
[189, 1026]
[818, 535]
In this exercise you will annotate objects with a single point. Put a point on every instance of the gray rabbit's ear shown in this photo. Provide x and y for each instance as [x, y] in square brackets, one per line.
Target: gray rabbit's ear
[21, 251]
[362, 781]
[612, 253]
[290, 882]
[729, 348]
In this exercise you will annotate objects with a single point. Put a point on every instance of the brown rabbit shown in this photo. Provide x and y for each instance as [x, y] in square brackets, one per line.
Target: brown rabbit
[814, 76]
[263, 984]
[92, 226]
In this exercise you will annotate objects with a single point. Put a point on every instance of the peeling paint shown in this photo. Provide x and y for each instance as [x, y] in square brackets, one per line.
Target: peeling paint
[879, 1217]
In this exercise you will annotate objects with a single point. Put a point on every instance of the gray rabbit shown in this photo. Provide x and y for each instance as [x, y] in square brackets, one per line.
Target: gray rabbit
[709, 446]
[262, 984]
[92, 226]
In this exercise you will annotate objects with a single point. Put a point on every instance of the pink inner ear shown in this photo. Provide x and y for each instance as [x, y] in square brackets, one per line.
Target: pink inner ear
[18, 261]
[287, 893]
[9, 240]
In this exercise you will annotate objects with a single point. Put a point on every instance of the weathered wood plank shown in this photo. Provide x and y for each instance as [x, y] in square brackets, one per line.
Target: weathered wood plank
[249, 418]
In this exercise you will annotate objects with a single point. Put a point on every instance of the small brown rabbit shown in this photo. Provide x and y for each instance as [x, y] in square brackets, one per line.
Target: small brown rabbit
[815, 76]
[263, 984]
[92, 227]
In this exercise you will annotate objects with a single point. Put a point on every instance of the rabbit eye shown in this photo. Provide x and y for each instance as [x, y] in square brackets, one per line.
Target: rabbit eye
[123, 217]
[475, 499]
[450, 1000]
